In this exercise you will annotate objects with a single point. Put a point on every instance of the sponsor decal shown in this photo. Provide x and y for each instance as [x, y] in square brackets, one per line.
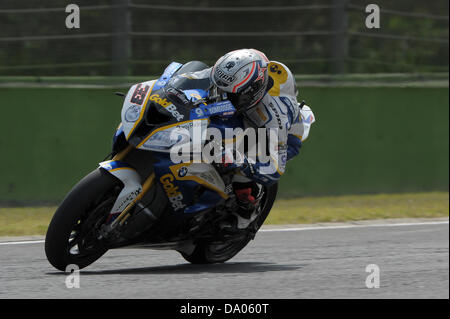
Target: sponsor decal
[276, 115]
[274, 68]
[230, 65]
[129, 198]
[163, 102]
[199, 112]
[279, 76]
[173, 110]
[223, 76]
[132, 114]
[309, 119]
[196, 96]
[139, 94]
[167, 105]
[219, 107]
[223, 108]
[283, 160]
[175, 197]
[183, 171]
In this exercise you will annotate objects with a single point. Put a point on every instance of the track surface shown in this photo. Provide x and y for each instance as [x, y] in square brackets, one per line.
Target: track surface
[311, 263]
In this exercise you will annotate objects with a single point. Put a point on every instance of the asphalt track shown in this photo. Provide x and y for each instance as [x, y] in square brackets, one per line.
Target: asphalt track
[290, 263]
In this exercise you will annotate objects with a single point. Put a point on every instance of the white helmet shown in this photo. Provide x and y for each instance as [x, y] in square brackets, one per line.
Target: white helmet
[243, 75]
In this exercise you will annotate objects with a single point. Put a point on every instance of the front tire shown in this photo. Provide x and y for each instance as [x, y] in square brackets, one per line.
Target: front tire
[71, 236]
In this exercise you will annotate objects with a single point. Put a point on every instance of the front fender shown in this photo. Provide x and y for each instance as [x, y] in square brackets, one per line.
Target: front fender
[130, 179]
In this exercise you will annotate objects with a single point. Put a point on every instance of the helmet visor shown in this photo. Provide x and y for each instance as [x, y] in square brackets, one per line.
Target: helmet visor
[249, 97]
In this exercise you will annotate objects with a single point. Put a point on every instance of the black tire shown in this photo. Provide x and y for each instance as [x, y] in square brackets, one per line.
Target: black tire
[86, 205]
[209, 253]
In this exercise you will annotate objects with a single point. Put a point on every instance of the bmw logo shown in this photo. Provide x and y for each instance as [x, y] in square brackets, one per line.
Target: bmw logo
[183, 171]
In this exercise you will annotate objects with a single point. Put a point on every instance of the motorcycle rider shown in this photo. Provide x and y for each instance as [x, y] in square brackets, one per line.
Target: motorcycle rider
[264, 93]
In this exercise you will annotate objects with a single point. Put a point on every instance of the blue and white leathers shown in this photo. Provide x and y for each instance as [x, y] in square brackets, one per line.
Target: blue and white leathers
[279, 111]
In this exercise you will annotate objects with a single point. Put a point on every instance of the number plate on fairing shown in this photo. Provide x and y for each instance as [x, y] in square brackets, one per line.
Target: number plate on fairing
[224, 108]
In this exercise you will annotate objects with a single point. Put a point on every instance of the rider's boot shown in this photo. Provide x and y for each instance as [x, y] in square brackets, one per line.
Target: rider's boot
[248, 196]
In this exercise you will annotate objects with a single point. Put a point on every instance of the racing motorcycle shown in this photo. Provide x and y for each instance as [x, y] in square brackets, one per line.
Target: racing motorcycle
[139, 198]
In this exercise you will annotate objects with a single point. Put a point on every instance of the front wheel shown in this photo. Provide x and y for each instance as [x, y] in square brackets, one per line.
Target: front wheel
[219, 252]
[71, 237]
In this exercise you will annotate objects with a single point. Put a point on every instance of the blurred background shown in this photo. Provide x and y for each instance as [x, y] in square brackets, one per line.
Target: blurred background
[380, 96]
[136, 37]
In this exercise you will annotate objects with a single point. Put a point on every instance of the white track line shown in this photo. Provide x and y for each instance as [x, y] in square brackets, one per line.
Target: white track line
[22, 242]
[353, 226]
[282, 230]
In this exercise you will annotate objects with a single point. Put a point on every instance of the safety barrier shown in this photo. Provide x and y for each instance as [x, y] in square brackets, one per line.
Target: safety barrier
[365, 140]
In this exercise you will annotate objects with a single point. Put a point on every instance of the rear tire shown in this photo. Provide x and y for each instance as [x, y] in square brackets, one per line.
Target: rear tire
[85, 207]
[208, 252]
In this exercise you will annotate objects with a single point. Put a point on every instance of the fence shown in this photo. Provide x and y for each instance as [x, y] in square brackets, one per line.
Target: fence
[126, 37]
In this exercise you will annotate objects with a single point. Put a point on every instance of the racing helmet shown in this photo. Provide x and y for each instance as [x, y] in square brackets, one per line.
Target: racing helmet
[243, 75]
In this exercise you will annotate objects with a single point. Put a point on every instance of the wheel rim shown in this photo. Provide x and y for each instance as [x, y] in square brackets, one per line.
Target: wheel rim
[82, 241]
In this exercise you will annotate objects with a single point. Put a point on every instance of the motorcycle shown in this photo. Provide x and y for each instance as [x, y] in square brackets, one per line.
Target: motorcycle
[140, 199]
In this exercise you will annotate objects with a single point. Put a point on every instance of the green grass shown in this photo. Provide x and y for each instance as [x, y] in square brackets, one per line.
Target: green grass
[359, 207]
[21, 221]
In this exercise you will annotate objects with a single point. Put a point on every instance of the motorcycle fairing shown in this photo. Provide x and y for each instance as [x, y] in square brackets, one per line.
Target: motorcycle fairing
[133, 113]
[202, 173]
[222, 108]
[157, 114]
[163, 138]
[119, 142]
[151, 120]
[136, 101]
[185, 184]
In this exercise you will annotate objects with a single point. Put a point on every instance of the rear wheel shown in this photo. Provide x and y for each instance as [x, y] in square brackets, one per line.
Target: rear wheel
[219, 252]
[73, 231]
